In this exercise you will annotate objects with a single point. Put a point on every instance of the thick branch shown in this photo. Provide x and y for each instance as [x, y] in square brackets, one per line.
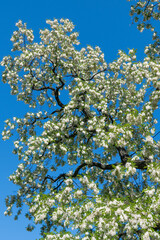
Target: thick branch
[56, 92]
[123, 154]
[93, 164]
[139, 164]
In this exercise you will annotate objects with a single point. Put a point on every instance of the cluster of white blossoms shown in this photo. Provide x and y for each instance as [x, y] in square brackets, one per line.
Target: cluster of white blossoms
[145, 13]
[89, 162]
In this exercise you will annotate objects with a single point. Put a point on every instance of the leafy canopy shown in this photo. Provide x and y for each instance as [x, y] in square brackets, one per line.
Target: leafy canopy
[89, 160]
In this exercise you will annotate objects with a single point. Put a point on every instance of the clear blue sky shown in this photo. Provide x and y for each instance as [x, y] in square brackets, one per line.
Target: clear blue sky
[103, 23]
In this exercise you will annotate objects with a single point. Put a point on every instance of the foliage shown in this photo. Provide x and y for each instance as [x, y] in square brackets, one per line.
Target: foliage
[89, 160]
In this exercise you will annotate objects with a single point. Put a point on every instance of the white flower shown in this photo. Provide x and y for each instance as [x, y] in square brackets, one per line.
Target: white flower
[150, 192]
[78, 193]
[146, 236]
[68, 181]
[149, 140]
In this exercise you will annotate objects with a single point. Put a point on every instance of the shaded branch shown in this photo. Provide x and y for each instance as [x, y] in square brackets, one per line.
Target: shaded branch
[43, 88]
[56, 93]
[93, 164]
[123, 154]
[139, 164]
[43, 118]
[94, 75]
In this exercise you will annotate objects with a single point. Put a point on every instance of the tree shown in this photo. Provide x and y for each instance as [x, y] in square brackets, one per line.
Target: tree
[89, 160]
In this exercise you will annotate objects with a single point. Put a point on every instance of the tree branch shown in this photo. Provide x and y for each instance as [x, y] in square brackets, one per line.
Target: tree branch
[139, 164]
[123, 154]
[94, 75]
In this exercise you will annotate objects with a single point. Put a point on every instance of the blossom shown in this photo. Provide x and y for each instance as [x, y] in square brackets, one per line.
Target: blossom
[88, 160]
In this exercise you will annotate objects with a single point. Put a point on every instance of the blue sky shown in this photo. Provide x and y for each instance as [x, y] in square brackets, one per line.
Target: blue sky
[104, 23]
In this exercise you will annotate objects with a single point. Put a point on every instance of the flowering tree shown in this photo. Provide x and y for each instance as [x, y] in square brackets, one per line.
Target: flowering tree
[89, 160]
